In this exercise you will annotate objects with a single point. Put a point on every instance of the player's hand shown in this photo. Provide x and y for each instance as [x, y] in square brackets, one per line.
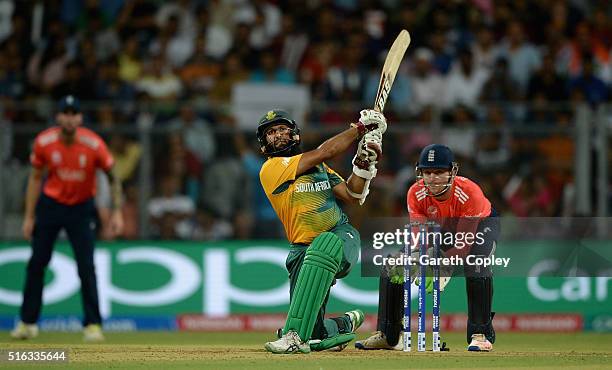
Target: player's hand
[116, 223]
[369, 151]
[28, 227]
[370, 120]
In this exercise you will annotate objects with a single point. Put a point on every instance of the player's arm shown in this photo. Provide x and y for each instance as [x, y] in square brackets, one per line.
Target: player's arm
[369, 121]
[32, 195]
[355, 183]
[328, 150]
[116, 218]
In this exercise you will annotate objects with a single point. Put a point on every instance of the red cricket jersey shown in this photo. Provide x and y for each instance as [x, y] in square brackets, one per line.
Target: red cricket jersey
[72, 168]
[466, 206]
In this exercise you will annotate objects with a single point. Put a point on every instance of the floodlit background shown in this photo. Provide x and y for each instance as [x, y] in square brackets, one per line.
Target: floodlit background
[520, 90]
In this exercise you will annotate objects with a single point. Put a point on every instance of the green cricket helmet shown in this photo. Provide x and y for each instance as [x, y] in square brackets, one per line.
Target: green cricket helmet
[273, 118]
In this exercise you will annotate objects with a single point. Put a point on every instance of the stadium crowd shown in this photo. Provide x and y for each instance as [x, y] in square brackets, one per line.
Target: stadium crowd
[503, 79]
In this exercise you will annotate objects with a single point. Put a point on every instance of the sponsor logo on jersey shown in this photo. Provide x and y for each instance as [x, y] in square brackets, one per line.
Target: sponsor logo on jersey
[67, 174]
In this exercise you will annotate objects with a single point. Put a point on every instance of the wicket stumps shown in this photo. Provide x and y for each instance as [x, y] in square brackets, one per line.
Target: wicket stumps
[421, 247]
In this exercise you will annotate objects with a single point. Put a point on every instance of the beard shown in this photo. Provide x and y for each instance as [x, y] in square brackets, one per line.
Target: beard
[280, 144]
[289, 151]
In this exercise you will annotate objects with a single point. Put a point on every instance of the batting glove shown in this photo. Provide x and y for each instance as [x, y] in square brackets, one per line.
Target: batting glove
[369, 121]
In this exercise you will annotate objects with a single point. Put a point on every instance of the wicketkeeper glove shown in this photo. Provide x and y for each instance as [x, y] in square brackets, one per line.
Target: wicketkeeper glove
[396, 273]
[446, 272]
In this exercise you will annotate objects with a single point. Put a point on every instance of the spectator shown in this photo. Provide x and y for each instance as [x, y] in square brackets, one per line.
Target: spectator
[137, 18]
[499, 87]
[47, 67]
[493, 147]
[266, 23]
[523, 58]
[270, 71]
[461, 136]
[130, 65]
[183, 12]
[593, 88]
[196, 132]
[232, 72]
[110, 87]
[347, 78]
[266, 224]
[159, 81]
[127, 156]
[426, 84]
[131, 213]
[230, 197]
[169, 209]
[216, 25]
[176, 47]
[313, 70]
[200, 72]
[442, 59]
[204, 226]
[585, 47]
[464, 83]
[12, 76]
[292, 43]
[484, 50]
[547, 82]
[75, 80]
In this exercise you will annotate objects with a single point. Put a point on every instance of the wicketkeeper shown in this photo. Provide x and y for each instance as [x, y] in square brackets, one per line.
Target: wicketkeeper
[303, 191]
[458, 205]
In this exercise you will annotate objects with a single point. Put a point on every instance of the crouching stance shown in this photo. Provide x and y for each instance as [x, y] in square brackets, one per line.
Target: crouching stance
[303, 191]
[459, 206]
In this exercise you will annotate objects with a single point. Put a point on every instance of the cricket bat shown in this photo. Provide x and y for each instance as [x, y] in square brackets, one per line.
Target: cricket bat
[392, 63]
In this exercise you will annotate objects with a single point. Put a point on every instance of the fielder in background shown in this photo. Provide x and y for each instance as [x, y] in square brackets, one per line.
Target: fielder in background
[458, 205]
[303, 191]
[70, 154]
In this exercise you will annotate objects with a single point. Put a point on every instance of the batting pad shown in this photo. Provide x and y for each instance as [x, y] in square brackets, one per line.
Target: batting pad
[320, 265]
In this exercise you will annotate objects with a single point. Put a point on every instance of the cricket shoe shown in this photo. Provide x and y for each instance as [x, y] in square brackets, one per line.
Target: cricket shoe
[378, 340]
[93, 333]
[24, 331]
[480, 343]
[288, 343]
[357, 318]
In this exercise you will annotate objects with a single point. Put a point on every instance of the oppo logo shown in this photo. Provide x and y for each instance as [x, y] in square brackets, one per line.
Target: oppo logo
[187, 277]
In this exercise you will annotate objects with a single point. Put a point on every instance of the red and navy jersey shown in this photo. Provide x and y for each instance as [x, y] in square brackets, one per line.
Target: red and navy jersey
[71, 168]
[461, 212]
[466, 200]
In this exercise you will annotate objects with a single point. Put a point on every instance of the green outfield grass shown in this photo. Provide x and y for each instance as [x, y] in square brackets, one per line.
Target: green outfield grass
[164, 350]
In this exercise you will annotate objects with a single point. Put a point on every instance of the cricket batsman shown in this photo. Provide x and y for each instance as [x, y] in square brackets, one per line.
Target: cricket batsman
[304, 191]
[458, 205]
